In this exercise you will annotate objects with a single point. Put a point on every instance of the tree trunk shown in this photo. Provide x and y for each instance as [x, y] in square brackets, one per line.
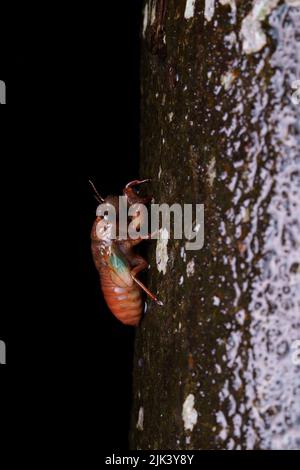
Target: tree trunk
[218, 366]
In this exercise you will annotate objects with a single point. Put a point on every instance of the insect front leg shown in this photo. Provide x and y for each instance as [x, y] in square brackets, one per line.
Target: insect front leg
[132, 195]
[141, 264]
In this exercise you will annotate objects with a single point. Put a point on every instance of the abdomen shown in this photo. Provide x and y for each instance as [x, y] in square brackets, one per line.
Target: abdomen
[124, 302]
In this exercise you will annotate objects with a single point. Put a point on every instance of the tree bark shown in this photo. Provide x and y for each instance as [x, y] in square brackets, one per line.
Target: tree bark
[217, 366]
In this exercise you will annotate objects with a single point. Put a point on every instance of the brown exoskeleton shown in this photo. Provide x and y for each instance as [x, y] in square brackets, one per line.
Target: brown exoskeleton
[117, 262]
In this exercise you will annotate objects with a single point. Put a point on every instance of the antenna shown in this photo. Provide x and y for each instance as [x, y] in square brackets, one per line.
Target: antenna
[97, 195]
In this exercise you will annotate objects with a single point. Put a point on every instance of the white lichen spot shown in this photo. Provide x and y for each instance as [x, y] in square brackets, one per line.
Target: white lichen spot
[209, 9]
[170, 116]
[245, 212]
[162, 250]
[197, 228]
[230, 39]
[190, 268]
[189, 9]
[189, 414]
[153, 13]
[216, 300]
[181, 280]
[221, 420]
[240, 316]
[146, 18]
[232, 5]
[227, 79]
[183, 254]
[252, 34]
[211, 171]
[159, 172]
[140, 421]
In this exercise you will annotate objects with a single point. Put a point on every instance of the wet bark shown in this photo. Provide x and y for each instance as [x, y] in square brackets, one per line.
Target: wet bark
[217, 366]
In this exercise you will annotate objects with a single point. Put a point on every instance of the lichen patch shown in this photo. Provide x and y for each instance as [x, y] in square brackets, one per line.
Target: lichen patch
[140, 421]
[189, 9]
[189, 413]
[209, 9]
[162, 250]
[190, 268]
[252, 34]
[145, 20]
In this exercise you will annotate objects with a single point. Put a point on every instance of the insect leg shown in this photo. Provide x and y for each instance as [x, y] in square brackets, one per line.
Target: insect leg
[135, 183]
[142, 264]
[148, 292]
[132, 195]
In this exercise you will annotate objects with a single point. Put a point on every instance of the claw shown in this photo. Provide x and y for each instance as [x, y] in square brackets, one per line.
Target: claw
[148, 292]
[136, 183]
[132, 194]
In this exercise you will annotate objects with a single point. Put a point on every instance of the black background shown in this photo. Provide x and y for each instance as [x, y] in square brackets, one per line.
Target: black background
[72, 82]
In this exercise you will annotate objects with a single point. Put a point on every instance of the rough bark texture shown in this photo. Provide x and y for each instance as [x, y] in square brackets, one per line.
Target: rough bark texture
[219, 127]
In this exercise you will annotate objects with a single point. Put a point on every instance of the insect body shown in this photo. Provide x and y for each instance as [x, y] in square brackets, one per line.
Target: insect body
[118, 264]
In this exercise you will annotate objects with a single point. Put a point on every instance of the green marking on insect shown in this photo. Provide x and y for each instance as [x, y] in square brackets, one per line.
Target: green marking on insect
[118, 263]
